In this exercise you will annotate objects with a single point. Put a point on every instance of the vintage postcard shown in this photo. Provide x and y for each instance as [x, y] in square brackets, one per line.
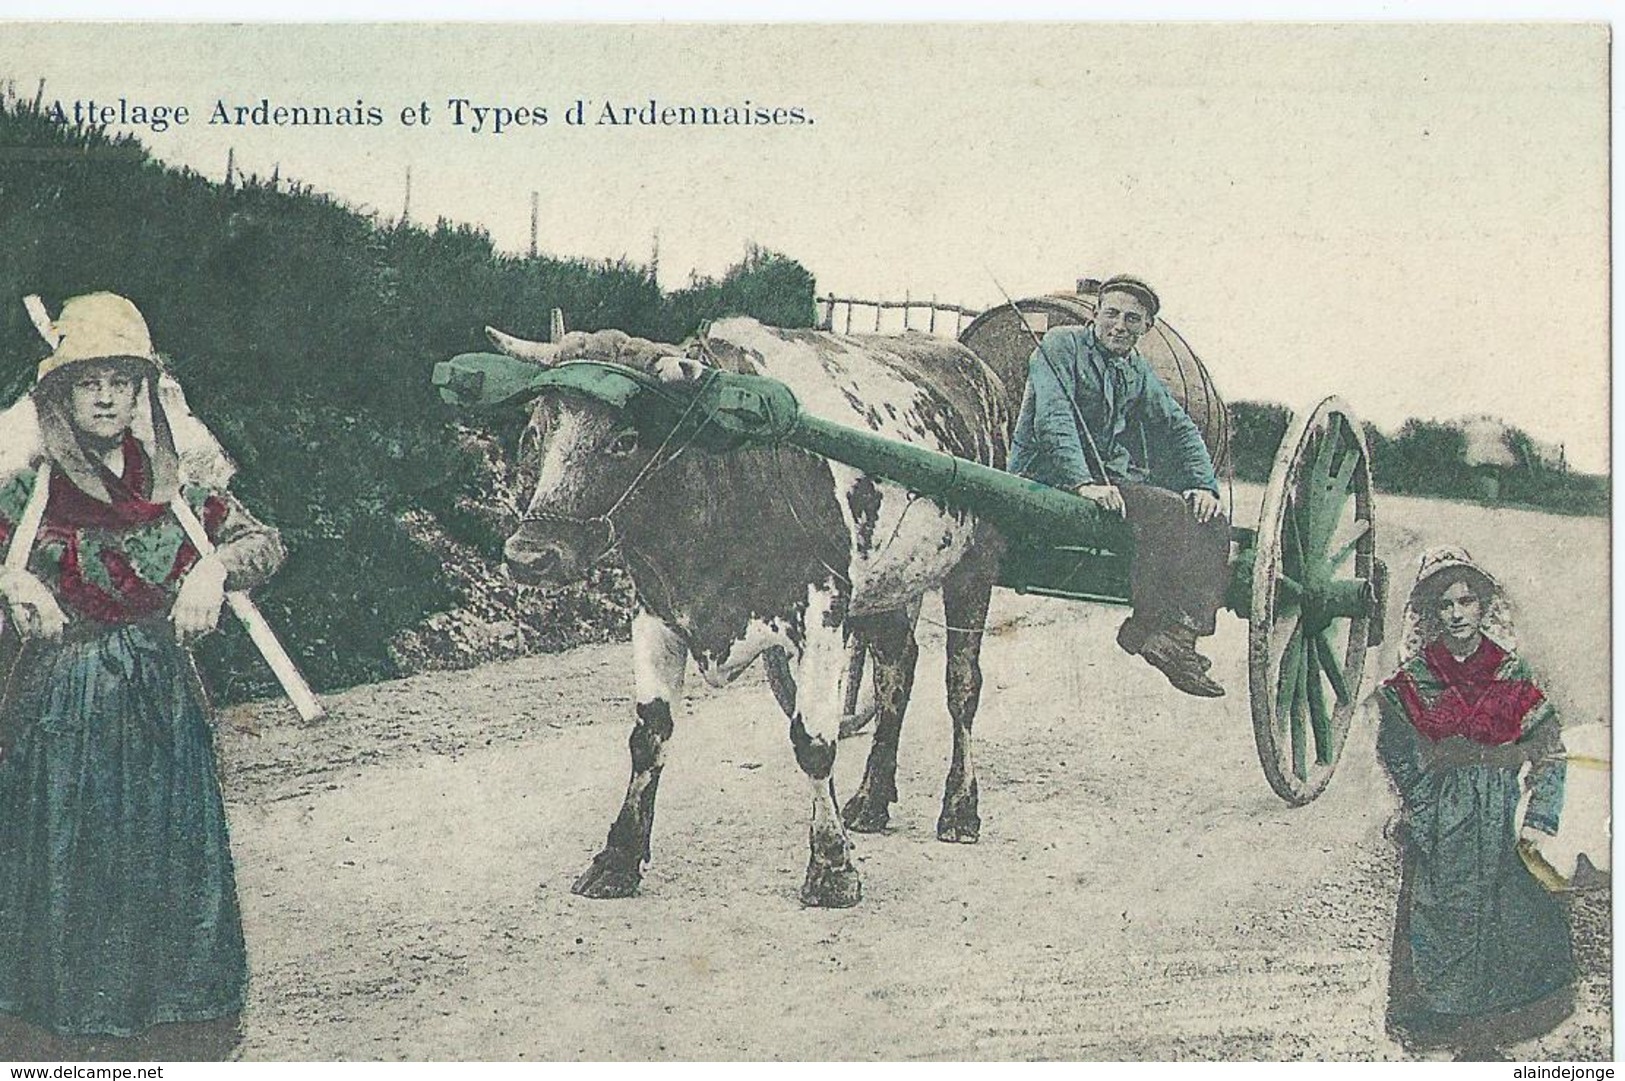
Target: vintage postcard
[481, 502]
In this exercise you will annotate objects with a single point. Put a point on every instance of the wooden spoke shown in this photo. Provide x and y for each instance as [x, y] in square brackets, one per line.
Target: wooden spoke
[1327, 656]
[1292, 550]
[1335, 563]
[1312, 490]
[1325, 453]
[1329, 494]
[1320, 718]
[1300, 737]
[1291, 669]
[1345, 472]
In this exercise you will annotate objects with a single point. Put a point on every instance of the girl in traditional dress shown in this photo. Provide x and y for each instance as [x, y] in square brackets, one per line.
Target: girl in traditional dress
[1481, 950]
[118, 906]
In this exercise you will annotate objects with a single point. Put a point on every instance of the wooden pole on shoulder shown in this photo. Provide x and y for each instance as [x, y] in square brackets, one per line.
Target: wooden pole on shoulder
[259, 631]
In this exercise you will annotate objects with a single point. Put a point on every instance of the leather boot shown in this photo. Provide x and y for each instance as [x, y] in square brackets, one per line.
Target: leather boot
[1172, 651]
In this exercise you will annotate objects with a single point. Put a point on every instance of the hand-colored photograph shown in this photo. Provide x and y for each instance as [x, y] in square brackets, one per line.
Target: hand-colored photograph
[480, 502]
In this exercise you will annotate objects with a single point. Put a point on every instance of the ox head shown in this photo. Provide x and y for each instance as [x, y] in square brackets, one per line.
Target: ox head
[584, 453]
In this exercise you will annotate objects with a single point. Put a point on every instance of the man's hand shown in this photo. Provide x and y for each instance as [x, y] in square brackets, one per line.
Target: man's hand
[1203, 504]
[197, 605]
[1106, 495]
[33, 608]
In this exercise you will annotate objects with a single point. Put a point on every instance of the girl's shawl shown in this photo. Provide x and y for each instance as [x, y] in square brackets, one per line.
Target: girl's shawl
[116, 550]
[1485, 697]
[114, 561]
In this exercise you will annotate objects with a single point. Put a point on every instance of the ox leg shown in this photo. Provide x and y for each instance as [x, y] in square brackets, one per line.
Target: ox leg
[965, 598]
[860, 699]
[832, 881]
[893, 650]
[658, 661]
[782, 682]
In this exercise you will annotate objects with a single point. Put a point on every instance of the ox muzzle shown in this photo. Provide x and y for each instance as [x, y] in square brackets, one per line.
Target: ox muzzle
[554, 554]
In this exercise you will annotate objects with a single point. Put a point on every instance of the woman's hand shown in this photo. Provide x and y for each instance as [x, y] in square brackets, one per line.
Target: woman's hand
[33, 607]
[197, 605]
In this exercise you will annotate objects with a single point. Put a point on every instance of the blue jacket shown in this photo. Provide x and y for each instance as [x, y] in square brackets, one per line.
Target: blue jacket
[1143, 435]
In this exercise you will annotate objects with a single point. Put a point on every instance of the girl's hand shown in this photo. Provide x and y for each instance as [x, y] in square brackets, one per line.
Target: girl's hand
[33, 607]
[197, 606]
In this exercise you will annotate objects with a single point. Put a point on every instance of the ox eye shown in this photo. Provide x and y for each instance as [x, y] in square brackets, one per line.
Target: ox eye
[624, 443]
[527, 459]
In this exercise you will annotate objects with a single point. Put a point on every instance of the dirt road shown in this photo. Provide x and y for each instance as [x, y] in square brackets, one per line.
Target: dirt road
[1138, 892]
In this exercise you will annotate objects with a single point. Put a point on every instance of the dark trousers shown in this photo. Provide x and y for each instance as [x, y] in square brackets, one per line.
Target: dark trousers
[1181, 566]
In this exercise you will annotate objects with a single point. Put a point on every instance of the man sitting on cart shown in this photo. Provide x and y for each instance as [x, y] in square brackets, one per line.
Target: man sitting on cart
[1092, 397]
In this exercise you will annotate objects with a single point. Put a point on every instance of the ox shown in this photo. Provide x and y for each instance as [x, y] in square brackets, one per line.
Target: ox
[773, 550]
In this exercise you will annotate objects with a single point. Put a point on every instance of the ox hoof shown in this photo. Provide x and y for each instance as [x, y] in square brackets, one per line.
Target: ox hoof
[609, 876]
[831, 887]
[854, 724]
[866, 813]
[959, 828]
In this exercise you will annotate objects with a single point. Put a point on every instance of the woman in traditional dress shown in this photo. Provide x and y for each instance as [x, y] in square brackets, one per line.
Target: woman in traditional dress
[1482, 952]
[118, 905]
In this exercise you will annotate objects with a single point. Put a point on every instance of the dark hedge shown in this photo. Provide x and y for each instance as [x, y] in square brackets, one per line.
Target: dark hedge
[1428, 458]
[304, 332]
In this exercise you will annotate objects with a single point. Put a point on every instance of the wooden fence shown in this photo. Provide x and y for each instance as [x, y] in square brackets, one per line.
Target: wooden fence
[839, 313]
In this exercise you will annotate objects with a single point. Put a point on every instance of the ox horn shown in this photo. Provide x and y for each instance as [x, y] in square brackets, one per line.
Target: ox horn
[541, 353]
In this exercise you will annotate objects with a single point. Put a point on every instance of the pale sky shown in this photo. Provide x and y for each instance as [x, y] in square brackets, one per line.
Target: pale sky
[1413, 217]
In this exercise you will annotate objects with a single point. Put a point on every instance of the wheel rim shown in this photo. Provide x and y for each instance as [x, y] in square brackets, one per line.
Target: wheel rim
[1311, 600]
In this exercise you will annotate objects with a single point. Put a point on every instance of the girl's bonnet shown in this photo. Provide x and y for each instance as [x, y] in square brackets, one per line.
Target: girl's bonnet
[1421, 627]
[102, 327]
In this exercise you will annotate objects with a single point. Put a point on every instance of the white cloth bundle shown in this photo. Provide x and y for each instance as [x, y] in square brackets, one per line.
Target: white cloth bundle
[1586, 825]
[202, 460]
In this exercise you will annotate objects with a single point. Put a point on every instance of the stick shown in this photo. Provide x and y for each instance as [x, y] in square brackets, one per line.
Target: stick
[1090, 452]
[264, 638]
[22, 541]
[41, 319]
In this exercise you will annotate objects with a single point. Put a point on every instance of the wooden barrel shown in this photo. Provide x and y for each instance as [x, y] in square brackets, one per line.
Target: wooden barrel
[998, 337]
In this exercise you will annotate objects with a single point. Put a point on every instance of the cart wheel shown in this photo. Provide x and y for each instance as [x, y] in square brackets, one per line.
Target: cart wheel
[1315, 590]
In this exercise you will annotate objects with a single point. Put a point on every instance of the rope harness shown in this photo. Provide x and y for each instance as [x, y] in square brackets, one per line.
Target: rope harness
[615, 538]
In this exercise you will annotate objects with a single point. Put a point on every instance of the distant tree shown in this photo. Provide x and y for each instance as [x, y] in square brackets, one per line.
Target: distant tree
[1427, 458]
[1257, 429]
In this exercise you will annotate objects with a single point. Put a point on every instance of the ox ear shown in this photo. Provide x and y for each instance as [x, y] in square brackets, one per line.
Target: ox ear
[540, 353]
[679, 369]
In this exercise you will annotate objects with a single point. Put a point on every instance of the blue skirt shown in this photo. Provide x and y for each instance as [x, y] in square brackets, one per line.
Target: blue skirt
[118, 906]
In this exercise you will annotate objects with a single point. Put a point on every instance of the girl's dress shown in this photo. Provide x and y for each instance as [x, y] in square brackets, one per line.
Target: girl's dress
[118, 907]
[1477, 937]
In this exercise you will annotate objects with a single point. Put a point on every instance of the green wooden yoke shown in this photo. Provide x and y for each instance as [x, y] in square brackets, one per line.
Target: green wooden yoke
[1060, 544]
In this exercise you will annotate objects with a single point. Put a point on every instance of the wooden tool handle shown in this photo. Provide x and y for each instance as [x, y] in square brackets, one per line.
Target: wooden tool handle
[22, 541]
[259, 631]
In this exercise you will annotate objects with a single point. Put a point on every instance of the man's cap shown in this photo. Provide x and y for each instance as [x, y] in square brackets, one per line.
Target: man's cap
[1134, 287]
